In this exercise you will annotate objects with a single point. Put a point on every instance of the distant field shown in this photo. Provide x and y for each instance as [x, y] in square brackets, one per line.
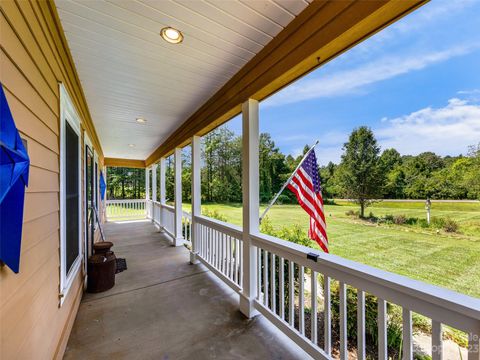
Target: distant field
[443, 259]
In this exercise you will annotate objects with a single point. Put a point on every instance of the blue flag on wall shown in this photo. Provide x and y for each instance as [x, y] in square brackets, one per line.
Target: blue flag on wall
[103, 186]
[14, 166]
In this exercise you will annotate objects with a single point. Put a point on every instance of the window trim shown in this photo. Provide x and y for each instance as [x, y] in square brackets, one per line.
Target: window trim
[68, 113]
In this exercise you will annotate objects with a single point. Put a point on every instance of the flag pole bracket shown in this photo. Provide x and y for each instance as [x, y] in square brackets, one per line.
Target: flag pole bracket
[312, 256]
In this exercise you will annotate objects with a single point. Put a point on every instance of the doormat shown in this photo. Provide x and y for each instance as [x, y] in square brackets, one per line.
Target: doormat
[121, 265]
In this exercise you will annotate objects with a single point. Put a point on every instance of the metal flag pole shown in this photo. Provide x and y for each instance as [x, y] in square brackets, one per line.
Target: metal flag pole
[286, 182]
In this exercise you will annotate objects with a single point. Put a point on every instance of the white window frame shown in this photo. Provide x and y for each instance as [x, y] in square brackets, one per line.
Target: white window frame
[96, 170]
[86, 142]
[68, 113]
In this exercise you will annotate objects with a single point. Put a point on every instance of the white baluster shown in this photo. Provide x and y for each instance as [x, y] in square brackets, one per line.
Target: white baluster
[265, 278]
[281, 284]
[437, 341]
[343, 321]
[301, 301]
[272, 284]
[407, 342]
[382, 329]
[327, 315]
[313, 312]
[291, 293]
[361, 325]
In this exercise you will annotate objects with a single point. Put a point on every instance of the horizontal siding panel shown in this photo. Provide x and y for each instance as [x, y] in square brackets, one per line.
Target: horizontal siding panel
[40, 204]
[42, 180]
[27, 9]
[40, 76]
[41, 156]
[21, 313]
[29, 124]
[38, 229]
[30, 263]
[16, 83]
[37, 346]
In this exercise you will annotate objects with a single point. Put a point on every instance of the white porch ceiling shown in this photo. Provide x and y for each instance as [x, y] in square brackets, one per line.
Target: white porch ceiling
[127, 70]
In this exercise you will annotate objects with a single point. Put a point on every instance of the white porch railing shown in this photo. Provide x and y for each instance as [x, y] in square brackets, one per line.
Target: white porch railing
[220, 249]
[269, 273]
[164, 216]
[187, 227]
[281, 265]
[126, 209]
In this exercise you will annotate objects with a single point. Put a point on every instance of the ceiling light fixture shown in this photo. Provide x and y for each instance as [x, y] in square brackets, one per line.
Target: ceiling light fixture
[131, 145]
[141, 120]
[171, 35]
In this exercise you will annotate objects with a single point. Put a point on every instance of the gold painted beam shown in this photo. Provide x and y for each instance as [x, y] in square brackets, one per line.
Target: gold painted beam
[128, 163]
[324, 30]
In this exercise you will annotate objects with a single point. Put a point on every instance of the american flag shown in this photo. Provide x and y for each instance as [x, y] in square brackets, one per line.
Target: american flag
[305, 184]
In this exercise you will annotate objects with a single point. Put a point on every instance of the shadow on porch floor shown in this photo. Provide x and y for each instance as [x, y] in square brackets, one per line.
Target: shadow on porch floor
[164, 308]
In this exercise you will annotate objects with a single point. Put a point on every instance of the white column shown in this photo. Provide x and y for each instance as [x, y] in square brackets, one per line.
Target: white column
[250, 185]
[178, 241]
[162, 181]
[154, 182]
[147, 183]
[196, 196]
[162, 192]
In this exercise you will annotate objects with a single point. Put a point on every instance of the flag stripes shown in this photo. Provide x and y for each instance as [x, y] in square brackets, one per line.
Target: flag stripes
[305, 184]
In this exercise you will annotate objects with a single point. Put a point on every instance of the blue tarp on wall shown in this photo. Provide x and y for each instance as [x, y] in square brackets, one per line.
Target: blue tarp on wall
[14, 166]
[103, 186]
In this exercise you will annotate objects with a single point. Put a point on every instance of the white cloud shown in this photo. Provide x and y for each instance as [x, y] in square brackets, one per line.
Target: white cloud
[447, 130]
[350, 81]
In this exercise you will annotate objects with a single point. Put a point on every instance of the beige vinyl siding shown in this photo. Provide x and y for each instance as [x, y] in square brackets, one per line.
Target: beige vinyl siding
[34, 60]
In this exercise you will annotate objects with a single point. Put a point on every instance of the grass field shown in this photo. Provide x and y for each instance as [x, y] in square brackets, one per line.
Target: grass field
[444, 259]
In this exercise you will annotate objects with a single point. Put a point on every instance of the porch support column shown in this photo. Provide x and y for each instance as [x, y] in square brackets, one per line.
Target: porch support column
[250, 186]
[147, 184]
[154, 182]
[178, 240]
[196, 197]
[162, 192]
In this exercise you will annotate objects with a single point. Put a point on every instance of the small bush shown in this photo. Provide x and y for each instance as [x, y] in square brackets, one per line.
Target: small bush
[399, 219]
[394, 323]
[352, 213]
[450, 225]
[437, 222]
[329, 202]
[214, 214]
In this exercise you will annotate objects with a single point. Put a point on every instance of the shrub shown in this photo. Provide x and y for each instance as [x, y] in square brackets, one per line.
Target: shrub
[214, 214]
[450, 225]
[437, 222]
[394, 324]
[352, 213]
[399, 219]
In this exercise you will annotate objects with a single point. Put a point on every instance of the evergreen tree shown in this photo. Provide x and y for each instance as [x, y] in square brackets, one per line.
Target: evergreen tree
[360, 171]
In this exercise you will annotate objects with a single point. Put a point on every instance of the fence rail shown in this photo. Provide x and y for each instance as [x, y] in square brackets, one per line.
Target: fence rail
[220, 249]
[126, 209]
[282, 269]
[297, 288]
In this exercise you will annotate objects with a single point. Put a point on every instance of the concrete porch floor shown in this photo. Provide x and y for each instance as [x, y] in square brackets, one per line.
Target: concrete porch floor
[162, 307]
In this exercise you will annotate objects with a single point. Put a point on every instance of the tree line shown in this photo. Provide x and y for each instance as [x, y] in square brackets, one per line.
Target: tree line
[365, 172]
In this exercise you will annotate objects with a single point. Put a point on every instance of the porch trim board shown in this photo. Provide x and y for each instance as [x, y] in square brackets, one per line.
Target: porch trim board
[324, 30]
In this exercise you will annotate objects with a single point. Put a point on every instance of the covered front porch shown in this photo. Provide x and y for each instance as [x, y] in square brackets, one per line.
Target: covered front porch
[162, 307]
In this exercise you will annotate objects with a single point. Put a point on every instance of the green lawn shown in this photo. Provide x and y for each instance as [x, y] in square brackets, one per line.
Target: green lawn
[444, 259]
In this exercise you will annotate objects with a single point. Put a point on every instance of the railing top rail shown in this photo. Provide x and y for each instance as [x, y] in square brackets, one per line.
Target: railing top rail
[187, 214]
[416, 295]
[168, 207]
[222, 226]
[117, 201]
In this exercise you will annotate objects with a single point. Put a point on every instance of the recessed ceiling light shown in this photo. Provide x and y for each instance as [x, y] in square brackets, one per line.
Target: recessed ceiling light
[141, 120]
[131, 145]
[171, 35]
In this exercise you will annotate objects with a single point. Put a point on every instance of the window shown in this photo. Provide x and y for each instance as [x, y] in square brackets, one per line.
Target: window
[70, 190]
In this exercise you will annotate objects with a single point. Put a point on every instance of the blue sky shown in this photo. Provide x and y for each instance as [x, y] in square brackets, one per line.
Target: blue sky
[416, 84]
